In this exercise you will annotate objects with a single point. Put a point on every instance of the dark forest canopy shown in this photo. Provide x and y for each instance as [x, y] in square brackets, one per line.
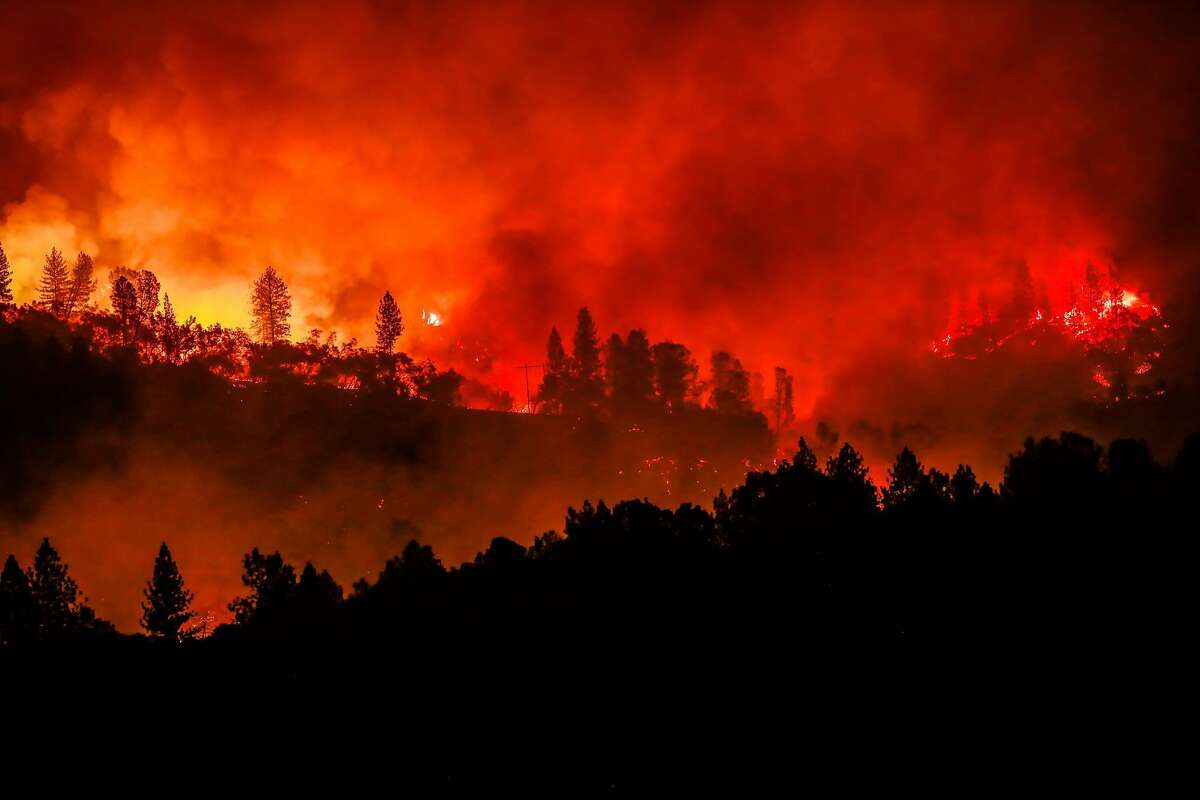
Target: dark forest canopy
[1067, 551]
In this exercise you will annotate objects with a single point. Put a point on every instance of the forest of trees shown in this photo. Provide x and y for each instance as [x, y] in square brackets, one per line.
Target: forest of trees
[1070, 549]
[626, 378]
[143, 320]
[630, 378]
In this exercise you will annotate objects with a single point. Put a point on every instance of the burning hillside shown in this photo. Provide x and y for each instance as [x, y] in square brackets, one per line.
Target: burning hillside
[1117, 330]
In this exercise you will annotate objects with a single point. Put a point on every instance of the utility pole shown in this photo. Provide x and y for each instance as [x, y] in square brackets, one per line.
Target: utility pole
[528, 391]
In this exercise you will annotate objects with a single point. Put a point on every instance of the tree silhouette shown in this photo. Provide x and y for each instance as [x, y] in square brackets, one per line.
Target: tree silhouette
[168, 604]
[271, 582]
[906, 479]
[55, 593]
[675, 374]
[805, 458]
[555, 377]
[147, 295]
[963, 485]
[629, 372]
[124, 304]
[18, 612]
[168, 332]
[6, 295]
[316, 592]
[848, 477]
[388, 325]
[83, 284]
[271, 307]
[586, 388]
[55, 288]
[731, 385]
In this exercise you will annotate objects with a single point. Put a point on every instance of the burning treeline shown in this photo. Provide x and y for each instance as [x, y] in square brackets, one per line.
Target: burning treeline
[327, 449]
[1120, 332]
[623, 378]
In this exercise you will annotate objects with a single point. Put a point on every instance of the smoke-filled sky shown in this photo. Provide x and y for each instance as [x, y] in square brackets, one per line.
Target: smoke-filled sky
[805, 184]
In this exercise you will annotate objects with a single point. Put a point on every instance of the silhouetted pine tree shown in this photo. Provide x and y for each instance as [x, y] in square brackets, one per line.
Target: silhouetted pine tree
[124, 305]
[168, 332]
[6, 295]
[629, 371]
[271, 581]
[850, 481]
[554, 375]
[271, 306]
[388, 325]
[18, 612]
[905, 479]
[55, 593]
[731, 385]
[168, 604]
[675, 374]
[147, 286]
[587, 388]
[55, 288]
[83, 284]
[964, 486]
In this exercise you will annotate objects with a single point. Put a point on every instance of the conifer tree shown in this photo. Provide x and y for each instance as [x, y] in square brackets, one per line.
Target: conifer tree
[554, 375]
[6, 295]
[124, 305]
[731, 385]
[271, 307]
[675, 374]
[18, 614]
[83, 284]
[167, 329]
[906, 478]
[168, 604]
[586, 387]
[55, 593]
[388, 325]
[147, 286]
[55, 288]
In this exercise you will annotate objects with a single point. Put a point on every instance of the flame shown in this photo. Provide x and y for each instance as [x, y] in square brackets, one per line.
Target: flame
[1114, 326]
[431, 318]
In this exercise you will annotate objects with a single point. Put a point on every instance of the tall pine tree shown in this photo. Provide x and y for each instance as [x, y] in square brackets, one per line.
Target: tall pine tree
[554, 375]
[271, 307]
[55, 288]
[55, 593]
[18, 613]
[587, 387]
[82, 284]
[147, 286]
[168, 604]
[124, 304]
[388, 325]
[6, 295]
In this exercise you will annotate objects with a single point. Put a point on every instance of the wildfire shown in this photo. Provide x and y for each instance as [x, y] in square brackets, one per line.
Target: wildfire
[431, 318]
[1119, 330]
